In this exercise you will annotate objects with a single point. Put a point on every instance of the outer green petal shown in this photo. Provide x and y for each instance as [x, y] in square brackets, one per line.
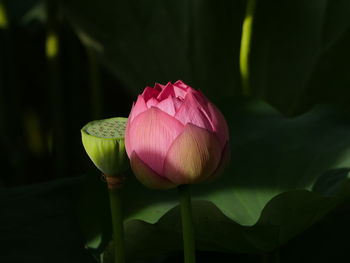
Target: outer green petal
[108, 154]
[193, 156]
[147, 176]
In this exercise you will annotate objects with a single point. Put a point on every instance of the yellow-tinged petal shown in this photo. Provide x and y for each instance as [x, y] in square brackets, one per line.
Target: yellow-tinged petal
[193, 156]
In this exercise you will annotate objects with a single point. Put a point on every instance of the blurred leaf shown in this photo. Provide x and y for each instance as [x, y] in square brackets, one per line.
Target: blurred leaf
[283, 178]
[298, 57]
[291, 61]
[38, 224]
[94, 212]
[18, 8]
[159, 41]
[35, 13]
[330, 182]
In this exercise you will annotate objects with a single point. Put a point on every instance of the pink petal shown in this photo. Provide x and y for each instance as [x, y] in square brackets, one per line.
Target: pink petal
[138, 107]
[192, 112]
[219, 124]
[179, 93]
[193, 156]
[149, 93]
[181, 84]
[180, 89]
[167, 106]
[202, 100]
[147, 176]
[159, 87]
[166, 92]
[152, 102]
[177, 103]
[150, 135]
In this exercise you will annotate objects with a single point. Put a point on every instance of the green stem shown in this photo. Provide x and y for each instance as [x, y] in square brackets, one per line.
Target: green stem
[247, 30]
[187, 224]
[117, 224]
[56, 90]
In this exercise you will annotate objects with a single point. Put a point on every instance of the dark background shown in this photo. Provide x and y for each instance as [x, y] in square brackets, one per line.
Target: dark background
[108, 52]
[33, 88]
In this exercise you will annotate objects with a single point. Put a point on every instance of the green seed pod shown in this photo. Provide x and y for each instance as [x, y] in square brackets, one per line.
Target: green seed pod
[103, 141]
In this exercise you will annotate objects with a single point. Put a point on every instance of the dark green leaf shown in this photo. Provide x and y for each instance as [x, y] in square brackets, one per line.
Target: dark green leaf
[94, 212]
[159, 41]
[298, 57]
[282, 179]
[290, 59]
[38, 223]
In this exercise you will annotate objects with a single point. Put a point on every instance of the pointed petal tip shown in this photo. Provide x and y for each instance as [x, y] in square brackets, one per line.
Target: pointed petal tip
[138, 107]
[159, 87]
[149, 93]
[168, 90]
[167, 106]
[179, 83]
[191, 111]
[219, 124]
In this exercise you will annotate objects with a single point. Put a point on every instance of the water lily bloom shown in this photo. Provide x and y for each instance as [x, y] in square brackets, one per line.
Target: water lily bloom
[174, 136]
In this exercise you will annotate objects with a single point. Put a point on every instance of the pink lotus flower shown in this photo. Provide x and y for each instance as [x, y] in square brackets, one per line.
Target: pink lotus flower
[175, 135]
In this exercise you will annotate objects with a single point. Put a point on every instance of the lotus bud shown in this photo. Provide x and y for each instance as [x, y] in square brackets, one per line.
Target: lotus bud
[174, 136]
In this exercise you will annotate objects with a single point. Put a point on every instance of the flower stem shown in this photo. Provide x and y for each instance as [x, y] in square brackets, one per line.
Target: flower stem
[247, 30]
[187, 224]
[117, 224]
[57, 103]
